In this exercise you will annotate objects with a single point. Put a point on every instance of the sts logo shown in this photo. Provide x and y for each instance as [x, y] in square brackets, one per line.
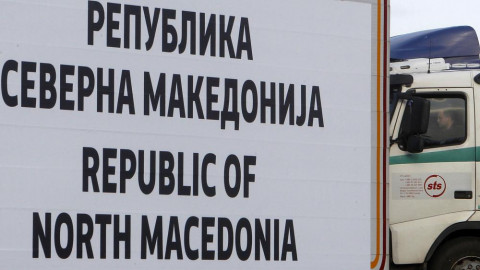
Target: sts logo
[435, 186]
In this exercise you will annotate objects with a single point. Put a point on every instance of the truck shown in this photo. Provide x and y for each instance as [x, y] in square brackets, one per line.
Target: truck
[434, 175]
[202, 134]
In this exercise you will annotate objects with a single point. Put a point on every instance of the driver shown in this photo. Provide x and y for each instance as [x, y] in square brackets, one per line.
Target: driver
[449, 126]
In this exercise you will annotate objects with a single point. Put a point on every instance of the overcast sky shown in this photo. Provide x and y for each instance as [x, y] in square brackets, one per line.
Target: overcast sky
[416, 15]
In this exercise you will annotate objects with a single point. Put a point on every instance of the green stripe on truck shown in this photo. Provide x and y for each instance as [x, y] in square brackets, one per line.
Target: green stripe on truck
[456, 155]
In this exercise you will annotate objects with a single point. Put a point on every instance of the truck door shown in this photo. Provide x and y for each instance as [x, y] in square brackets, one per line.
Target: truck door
[440, 179]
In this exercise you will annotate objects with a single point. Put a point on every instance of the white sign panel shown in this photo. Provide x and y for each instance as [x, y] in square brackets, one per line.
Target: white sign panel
[185, 134]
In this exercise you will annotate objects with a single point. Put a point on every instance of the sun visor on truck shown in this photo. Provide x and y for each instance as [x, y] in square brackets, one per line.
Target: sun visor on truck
[454, 44]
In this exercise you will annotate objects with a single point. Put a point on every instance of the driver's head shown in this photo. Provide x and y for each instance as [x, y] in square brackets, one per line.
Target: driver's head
[445, 119]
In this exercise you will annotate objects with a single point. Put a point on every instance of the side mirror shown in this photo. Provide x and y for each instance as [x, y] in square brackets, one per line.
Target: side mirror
[416, 116]
[415, 144]
[414, 123]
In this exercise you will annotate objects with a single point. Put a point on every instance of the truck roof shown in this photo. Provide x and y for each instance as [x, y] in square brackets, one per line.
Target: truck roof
[454, 44]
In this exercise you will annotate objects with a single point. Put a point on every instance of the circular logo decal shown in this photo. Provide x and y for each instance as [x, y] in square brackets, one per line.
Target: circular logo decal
[435, 186]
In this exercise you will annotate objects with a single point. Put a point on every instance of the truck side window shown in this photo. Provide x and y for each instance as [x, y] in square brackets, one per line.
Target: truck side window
[447, 125]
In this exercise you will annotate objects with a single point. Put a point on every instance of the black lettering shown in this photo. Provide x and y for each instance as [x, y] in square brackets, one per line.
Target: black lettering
[303, 105]
[243, 224]
[208, 190]
[194, 97]
[225, 253]
[48, 93]
[144, 187]
[113, 25]
[249, 86]
[107, 90]
[192, 254]
[153, 241]
[84, 238]
[289, 246]
[191, 17]
[152, 25]
[174, 243]
[226, 36]
[247, 44]
[267, 102]
[168, 30]
[90, 171]
[84, 90]
[121, 237]
[65, 104]
[230, 115]
[232, 191]
[10, 65]
[28, 67]
[195, 174]
[212, 98]
[262, 239]
[247, 176]
[207, 35]
[276, 239]
[43, 235]
[103, 221]
[207, 222]
[126, 155]
[125, 99]
[157, 99]
[135, 11]
[287, 104]
[175, 102]
[63, 219]
[108, 153]
[167, 164]
[94, 7]
[182, 189]
[315, 107]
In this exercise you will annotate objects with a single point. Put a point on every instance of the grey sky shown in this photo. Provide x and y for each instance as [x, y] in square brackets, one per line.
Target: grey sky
[416, 15]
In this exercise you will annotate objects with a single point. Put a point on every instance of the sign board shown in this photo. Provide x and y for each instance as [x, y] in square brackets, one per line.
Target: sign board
[187, 134]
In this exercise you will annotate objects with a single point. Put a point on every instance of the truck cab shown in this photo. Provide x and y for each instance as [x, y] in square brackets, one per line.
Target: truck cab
[433, 169]
[434, 164]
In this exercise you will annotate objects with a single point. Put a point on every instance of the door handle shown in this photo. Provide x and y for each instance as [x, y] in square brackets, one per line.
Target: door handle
[462, 194]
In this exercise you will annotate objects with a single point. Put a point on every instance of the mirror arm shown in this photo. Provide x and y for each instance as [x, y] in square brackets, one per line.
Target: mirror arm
[393, 141]
[408, 94]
